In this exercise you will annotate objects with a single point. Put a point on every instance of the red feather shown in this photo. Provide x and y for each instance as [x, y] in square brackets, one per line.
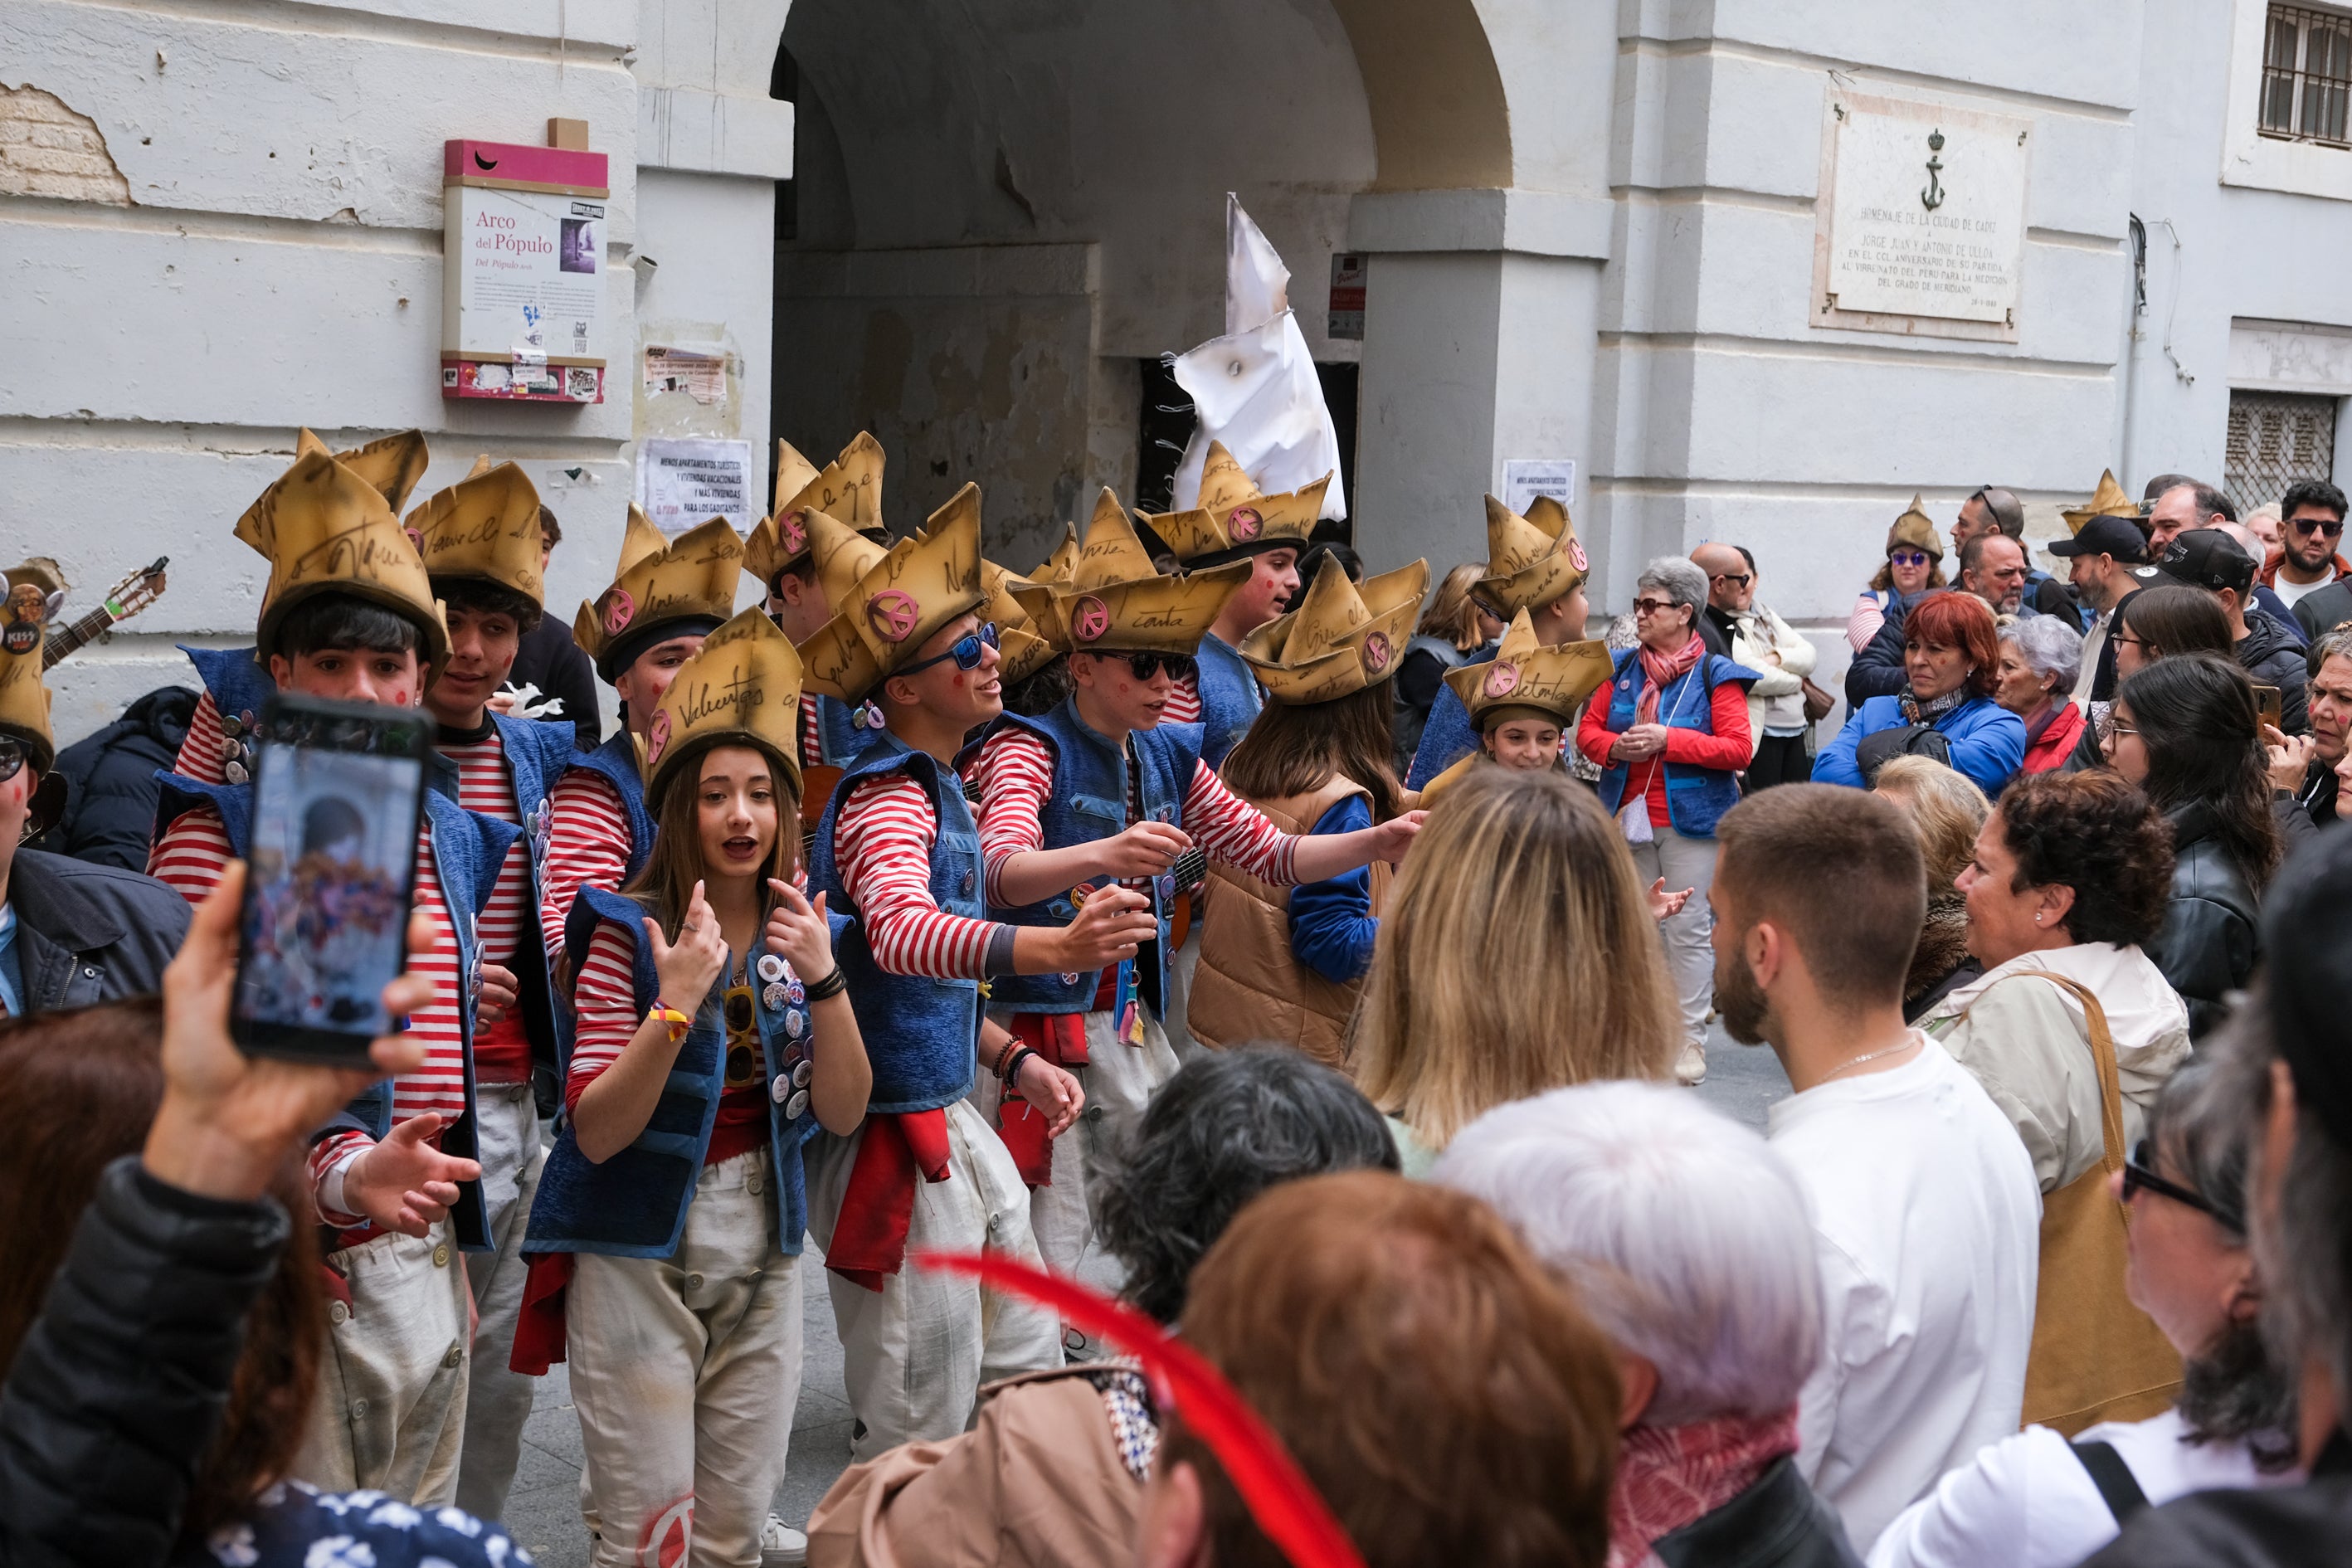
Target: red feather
[1285, 1504]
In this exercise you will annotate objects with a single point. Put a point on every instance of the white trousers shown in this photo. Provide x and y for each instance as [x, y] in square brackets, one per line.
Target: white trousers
[915, 1352]
[390, 1413]
[686, 1371]
[1684, 863]
[1180, 991]
[497, 1398]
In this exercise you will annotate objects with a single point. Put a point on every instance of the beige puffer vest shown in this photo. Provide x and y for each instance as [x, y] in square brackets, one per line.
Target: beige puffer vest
[1248, 987]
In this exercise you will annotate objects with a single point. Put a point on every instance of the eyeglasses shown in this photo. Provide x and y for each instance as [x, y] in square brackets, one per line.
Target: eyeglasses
[2139, 1176]
[1908, 558]
[12, 757]
[1654, 607]
[1736, 579]
[2326, 528]
[966, 652]
[1179, 665]
[2118, 729]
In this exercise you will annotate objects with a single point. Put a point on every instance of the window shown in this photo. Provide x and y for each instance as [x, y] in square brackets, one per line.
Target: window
[2307, 75]
[2275, 438]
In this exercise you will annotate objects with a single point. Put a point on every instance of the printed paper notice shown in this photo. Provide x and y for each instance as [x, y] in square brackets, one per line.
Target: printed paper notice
[1926, 210]
[1524, 478]
[684, 484]
[698, 369]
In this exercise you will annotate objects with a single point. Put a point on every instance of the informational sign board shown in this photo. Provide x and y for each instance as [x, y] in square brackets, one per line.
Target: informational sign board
[1922, 218]
[683, 484]
[1524, 478]
[1347, 310]
[522, 275]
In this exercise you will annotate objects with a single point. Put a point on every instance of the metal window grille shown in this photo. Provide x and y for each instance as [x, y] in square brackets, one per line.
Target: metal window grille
[2275, 438]
[2307, 75]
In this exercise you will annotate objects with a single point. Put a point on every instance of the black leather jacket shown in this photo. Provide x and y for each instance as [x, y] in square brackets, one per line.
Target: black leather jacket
[2266, 1527]
[1776, 1523]
[2210, 941]
[90, 933]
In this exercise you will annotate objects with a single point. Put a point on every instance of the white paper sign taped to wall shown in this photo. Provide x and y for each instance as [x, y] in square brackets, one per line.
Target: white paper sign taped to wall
[684, 484]
[1524, 478]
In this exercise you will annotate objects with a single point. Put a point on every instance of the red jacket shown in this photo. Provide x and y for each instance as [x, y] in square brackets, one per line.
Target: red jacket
[2268, 576]
[2057, 743]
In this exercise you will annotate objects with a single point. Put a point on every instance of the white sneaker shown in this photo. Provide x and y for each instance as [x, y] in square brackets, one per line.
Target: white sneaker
[1690, 1067]
[782, 1546]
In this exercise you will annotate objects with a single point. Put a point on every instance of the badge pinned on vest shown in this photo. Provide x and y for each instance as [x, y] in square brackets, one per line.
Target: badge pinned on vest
[28, 613]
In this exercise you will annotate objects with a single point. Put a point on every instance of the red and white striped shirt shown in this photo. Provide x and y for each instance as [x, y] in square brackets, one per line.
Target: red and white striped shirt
[1184, 701]
[812, 732]
[587, 847]
[200, 756]
[486, 785]
[1015, 771]
[882, 842]
[607, 1001]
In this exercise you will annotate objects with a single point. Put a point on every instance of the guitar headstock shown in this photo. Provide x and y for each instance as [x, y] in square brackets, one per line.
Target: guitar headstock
[138, 590]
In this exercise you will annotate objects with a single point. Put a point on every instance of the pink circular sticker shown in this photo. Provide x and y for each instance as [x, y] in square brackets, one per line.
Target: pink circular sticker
[1090, 618]
[416, 538]
[619, 610]
[1503, 680]
[892, 613]
[792, 531]
[656, 736]
[1376, 652]
[1576, 557]
[1243, 523]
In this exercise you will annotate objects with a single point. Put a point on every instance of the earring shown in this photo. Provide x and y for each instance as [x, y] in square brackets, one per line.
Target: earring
[2037, 920]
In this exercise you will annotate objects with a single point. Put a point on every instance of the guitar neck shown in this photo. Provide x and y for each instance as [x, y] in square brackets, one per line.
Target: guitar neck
[68, 638]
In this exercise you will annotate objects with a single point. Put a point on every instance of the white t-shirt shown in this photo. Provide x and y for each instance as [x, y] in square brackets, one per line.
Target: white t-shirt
[2294, 591]
[1926, 1220]
[2027, 1502]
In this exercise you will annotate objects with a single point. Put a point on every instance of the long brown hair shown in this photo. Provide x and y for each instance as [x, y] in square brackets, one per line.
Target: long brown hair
[664, 884]
[1516, 954]
[1295, 749]
[1453, 614]
[81, 1087]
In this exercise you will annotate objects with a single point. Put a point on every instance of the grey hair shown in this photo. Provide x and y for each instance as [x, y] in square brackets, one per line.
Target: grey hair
[2333, 643]
[1681, 580]
[2051, 647]
[1690, 1242]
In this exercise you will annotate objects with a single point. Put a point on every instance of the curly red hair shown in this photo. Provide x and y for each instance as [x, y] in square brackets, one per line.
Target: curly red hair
[1963, 621]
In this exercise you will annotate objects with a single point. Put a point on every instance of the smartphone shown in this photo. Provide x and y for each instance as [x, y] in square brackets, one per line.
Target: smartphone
[339, 789]
[2271, 705]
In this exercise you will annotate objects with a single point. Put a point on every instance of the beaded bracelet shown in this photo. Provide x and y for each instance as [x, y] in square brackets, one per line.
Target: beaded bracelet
[1003, 1056]
[1013, 1067]
[832, 985]
[663, 1013]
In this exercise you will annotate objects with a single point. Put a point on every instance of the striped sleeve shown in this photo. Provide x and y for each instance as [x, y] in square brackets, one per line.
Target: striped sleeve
[1183, 702]
[882, 840]
[485, 786]
[191, 854]
[812, 731]
[1014, 772]
[587, 847]
[200, 756]
[607, 1003]
[1231, 830]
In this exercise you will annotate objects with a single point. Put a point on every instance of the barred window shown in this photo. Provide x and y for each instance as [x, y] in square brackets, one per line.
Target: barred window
[2307, 75]
[2275, 440]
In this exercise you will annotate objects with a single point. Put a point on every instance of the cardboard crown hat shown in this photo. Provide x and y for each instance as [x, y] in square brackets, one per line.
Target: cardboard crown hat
[24, 696]
[325, 528]
[1340, 639]
[1234, 514]
[887, 602]
[486, 527]
[2107, 500]
[742, 686]
[660, 583]
[847, 490]
[392, 464]
[1533, 560]
[1116, 600]
[1552, 680]
[1022, 642]
[1916, 529]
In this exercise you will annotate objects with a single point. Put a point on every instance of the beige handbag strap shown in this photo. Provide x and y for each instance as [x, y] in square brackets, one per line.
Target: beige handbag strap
[2103, 1052]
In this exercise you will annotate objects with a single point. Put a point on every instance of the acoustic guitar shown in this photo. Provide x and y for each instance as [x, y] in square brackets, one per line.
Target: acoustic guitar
[130, 596]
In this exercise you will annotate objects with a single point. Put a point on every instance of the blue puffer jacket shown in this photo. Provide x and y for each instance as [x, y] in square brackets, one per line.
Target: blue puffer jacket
[1988, 741]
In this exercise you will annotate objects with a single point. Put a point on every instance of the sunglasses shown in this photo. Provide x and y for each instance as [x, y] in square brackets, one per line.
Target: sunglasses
[1179, 665]
[2139, 1176]
[12, 757]
[1908, 557]
[2324, 526]
[1736, 579]
[1654, 607]
[966, 652]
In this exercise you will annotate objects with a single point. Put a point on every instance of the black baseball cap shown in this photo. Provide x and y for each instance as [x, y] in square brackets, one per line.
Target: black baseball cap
[2117, 536]
[2208, 558]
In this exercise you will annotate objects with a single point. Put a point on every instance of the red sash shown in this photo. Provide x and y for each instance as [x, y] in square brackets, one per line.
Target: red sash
[869, 1237]
[1060, 1038]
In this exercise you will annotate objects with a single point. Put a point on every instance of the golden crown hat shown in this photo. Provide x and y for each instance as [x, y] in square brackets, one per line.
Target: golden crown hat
[325, 528]
[660, 582]
[1037, 593]
[486, 527]
[392, 464]
[24, 696]
[1552, 680]
[1340, 639]
[848, 490]
[2107, 500]
[1116, 600]
[1234, 514]
[1916, 529]
[1021, 641]
[1531, 561]
[894, 603]
[742, 686]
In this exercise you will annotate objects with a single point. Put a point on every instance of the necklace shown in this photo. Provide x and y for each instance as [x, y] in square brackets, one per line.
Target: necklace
[1865, 1056]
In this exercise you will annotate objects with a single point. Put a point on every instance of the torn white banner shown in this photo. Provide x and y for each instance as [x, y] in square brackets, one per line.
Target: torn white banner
[1255, 389]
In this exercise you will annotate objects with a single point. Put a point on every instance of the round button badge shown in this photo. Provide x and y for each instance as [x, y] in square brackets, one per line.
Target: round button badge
[893, 613]
[619, 608]
[1090, 618]
[1503, 680]
[772, 966]
[780, 1089]
[774, 994]
[796, 1104]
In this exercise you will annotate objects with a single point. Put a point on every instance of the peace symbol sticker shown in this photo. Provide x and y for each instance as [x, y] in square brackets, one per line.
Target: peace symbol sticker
[1090, 618]
[416, 538]
[619, 609]
[1376, 653]
[792, 531]
[892, 613]
[1503, 680]
[1245, 524]
[1576, 556]
[656, 736]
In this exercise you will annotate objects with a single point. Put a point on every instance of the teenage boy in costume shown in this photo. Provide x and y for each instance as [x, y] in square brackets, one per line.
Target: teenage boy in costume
[1099, 793]
[897, 849]
[349, 613]
[849, 491]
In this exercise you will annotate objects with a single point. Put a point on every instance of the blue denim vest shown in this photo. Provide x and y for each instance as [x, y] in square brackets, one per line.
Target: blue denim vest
[839, 741]
[537, 755]
[635, 1204]
[1230, 700]
[1089, 802]
[922, 1035]
[1696, 797]
[1448, 736]
[236, 679]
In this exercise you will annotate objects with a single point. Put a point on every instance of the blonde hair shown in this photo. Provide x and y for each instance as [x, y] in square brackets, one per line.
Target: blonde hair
[1517, 953]
[1948, 809]
[1452, 613]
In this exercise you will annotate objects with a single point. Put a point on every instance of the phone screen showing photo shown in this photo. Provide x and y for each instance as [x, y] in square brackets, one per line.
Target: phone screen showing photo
[326, 908]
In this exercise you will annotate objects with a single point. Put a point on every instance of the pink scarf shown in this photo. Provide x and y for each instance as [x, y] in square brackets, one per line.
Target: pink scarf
[1668, 1477]
[1662, 670]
